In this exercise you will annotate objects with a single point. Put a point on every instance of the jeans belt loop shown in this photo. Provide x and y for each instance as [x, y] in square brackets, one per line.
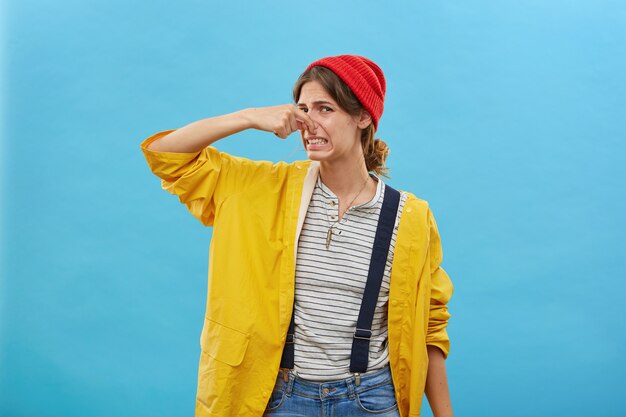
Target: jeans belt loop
[292, 380]
[351, 389]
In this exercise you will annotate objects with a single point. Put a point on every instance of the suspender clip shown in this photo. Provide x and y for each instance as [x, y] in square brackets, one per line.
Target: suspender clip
[364, 334]
[289, 338]
[357, 379]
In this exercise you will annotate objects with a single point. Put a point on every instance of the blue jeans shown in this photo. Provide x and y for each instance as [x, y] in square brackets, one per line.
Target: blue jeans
[296, 397]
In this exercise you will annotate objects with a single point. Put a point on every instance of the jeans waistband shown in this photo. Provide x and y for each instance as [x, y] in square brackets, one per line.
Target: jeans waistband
[343, 387]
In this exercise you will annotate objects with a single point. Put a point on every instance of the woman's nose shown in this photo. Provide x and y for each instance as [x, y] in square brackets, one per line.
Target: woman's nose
[316, 124]
[306, 127]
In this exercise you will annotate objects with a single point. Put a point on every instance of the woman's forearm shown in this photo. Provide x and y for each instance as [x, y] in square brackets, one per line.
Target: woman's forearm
[202, 133]
[437, 390]
[282, 120]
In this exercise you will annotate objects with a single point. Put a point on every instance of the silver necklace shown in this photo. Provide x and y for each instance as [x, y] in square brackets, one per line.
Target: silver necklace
[329, 233]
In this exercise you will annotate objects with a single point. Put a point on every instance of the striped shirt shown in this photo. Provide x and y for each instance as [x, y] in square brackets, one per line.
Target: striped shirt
[330, 284]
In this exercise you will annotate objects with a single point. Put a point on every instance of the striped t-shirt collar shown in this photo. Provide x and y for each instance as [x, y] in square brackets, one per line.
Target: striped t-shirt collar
[369, 204]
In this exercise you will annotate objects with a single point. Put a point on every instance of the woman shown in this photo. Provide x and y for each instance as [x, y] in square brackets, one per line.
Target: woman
[293, 271]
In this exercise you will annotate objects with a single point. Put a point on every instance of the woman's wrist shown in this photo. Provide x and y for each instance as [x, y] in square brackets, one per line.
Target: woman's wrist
[247, 118]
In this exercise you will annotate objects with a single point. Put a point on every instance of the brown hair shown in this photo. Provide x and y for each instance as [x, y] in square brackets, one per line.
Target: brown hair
[375, 150]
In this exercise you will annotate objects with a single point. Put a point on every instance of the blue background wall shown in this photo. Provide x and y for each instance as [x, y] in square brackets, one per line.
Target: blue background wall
[507, 116]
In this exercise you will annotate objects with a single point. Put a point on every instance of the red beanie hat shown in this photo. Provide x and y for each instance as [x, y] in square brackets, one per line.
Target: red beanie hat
[364, 77]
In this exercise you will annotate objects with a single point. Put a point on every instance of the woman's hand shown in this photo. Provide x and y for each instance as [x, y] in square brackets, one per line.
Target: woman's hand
[281, 120]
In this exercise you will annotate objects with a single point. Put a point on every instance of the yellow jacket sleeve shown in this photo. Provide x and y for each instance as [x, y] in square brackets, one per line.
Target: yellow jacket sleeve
[203, 180]
[440, 292]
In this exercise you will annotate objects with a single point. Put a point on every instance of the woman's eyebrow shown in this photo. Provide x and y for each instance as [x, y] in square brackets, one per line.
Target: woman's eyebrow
[318, 102]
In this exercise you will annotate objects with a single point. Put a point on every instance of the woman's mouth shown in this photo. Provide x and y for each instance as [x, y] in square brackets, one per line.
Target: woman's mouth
[316, 141]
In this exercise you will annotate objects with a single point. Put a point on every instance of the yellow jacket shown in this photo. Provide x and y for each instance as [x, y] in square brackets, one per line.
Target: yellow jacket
[257, 209]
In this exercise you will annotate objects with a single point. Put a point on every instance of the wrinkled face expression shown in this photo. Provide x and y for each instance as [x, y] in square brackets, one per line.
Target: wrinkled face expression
[337, 134]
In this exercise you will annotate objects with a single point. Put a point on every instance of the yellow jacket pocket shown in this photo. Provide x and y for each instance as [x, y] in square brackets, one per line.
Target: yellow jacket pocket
[223, 343]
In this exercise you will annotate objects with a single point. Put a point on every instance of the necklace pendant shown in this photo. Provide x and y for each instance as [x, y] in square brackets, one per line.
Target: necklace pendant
[329, 237]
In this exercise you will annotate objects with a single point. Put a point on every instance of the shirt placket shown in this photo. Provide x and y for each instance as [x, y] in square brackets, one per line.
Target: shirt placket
[332, 211]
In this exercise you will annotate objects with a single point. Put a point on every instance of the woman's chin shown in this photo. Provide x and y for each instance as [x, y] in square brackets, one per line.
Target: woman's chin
[316, 155]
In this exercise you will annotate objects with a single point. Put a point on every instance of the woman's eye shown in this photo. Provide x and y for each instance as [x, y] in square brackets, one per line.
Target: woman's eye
[304, 110]
[326, 108]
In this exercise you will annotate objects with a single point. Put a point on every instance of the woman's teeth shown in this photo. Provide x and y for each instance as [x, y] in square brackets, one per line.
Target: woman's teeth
[316, 141]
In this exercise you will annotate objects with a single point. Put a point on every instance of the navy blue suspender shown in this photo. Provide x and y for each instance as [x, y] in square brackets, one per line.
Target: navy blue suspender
[380, 251]
[384, 231]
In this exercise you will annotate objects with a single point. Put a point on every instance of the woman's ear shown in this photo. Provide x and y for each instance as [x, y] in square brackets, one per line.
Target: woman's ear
[364, 120]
